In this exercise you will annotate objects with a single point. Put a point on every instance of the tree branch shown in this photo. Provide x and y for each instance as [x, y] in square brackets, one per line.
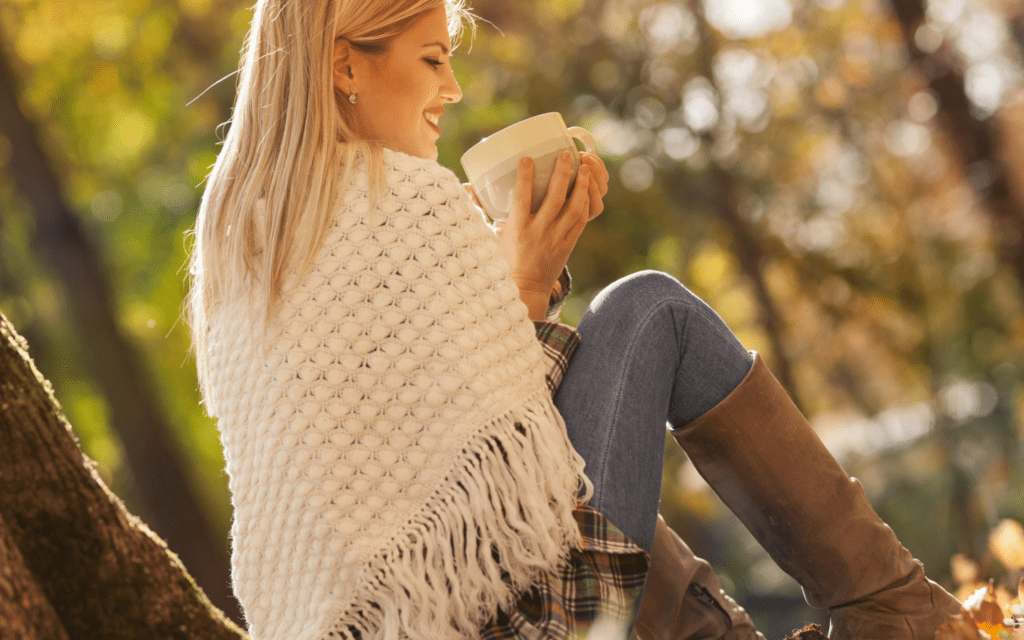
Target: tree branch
[151, 454]
[75, 563]
[976, 142]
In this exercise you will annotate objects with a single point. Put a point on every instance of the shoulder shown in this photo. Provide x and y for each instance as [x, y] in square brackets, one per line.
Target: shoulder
[400, 167]
[409, 178]
[398, 162]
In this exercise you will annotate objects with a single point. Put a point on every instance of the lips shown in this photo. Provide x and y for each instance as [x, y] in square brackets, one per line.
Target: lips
[432, 118]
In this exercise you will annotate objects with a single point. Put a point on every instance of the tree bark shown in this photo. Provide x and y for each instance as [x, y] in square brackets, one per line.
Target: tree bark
[73, 562]
[155, 463]
[748, 251]
[24, 609]
[976, 142]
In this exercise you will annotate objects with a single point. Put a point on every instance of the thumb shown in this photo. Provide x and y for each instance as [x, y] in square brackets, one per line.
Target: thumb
[472, 194]
[498, 226]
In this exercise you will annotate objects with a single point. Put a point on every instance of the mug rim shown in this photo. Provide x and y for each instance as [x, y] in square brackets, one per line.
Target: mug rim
[471, 154]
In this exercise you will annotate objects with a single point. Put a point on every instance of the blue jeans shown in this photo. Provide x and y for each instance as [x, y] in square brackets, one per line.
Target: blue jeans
[650, 352]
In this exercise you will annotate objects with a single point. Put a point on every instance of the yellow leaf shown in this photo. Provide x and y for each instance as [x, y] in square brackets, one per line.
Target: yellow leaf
[1006, 542]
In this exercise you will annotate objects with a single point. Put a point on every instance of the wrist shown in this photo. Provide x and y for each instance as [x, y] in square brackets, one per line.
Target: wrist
[533, 286]
[536, 303]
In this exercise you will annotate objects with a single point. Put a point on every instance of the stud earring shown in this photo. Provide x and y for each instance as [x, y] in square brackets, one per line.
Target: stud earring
[351, 95]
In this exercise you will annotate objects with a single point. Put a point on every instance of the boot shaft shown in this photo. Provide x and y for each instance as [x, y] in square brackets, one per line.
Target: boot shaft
[760, 455]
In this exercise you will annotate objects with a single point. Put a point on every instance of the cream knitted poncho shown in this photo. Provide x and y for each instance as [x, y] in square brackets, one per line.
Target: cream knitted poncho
[391, 435]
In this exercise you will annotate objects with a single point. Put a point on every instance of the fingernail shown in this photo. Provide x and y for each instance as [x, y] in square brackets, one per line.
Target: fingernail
[525, 162]
[566, 156]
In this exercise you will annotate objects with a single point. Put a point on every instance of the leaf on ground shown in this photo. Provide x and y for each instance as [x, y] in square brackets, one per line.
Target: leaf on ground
[810, 632]
[961, 627]
[1006, 542]
[984, 618]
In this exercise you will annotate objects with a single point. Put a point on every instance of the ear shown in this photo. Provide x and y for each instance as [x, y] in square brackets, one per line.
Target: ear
[344, 78]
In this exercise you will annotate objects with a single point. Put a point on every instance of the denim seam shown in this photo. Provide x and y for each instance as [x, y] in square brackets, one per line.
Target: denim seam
[619, 390]
[716, 324]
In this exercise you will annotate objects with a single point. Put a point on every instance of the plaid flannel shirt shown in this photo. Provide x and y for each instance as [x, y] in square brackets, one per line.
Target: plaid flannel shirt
[596, 594]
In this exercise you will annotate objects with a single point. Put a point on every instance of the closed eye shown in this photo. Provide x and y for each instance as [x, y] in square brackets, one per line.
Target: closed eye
[433, 62]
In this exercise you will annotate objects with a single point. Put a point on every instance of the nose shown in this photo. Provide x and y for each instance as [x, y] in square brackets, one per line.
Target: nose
[450, 89]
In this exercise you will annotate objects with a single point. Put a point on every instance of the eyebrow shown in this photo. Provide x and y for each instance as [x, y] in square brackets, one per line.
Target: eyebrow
[444, 48]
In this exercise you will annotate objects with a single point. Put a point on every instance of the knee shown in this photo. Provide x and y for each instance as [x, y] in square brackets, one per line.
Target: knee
[652, 284]
[644, 290]
[639, 294]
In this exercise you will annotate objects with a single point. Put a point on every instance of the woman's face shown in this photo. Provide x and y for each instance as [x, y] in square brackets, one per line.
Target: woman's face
[402, 93]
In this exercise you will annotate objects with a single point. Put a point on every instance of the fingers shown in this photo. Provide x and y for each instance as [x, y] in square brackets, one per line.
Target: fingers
[595, 197]
[581, 191]
[598, 169]
[564, 213]
[578, 206]
[598, 182]
[558, 187]
[522, 193]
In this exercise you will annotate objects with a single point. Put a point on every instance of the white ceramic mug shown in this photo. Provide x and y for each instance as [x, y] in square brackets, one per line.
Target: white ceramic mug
[491, 163]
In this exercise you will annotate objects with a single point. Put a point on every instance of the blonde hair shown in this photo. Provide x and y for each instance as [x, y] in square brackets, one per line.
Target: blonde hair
[290, 148]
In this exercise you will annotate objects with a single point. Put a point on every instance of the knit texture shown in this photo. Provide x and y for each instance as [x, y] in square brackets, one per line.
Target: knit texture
[396, 464]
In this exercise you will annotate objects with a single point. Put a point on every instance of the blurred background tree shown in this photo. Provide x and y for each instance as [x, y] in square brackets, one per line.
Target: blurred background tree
[841, 179]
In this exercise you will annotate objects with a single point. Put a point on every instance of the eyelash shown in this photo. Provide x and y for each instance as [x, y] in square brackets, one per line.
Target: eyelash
[433, 63]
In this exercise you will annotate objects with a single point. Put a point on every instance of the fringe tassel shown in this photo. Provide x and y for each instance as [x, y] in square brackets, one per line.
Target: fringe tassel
[511, 496]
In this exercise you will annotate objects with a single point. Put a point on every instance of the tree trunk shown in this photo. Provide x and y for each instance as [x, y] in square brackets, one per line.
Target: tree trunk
[24, 609]
[977, 143]
[155, 462]
[73, 562]
[749, 253]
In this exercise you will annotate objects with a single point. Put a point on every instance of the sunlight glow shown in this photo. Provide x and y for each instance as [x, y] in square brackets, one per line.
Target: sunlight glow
[636, 174]
[985, 86]
[748, 18]
[678, 143]
[668, 26]
[981, 35]
[905, 139]
[700, 104]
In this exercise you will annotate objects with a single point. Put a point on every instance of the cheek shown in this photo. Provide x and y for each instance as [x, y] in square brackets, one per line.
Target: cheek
[415, 92]
[399, 99]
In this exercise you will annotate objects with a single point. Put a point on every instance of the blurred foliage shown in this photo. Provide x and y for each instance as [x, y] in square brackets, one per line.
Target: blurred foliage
[904, 328]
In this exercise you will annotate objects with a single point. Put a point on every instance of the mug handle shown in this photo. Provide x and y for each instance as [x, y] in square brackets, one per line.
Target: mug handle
[584, 136]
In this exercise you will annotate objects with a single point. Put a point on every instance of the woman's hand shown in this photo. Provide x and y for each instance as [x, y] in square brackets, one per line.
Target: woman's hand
[538, 245]
[598, 182]
[472, 194]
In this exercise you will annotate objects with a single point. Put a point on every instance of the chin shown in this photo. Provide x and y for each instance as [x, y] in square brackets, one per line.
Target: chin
[428, 152]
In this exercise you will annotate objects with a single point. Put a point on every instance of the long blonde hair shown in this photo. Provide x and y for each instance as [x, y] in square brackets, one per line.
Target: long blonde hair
[288, 153]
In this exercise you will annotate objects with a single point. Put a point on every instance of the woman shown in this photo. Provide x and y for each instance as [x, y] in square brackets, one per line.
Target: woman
[397, 464]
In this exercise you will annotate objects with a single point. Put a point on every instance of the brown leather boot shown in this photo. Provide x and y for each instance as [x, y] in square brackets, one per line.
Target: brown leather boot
[761, 456]
[683, 599]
